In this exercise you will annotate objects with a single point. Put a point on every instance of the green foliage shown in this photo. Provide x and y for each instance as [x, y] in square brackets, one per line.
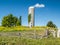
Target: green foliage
[29, 18]
[20, 20]
[10, 20]
[51, 24]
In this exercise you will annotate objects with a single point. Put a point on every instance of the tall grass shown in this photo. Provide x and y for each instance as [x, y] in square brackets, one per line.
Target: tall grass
[6, 40]
[24, 41]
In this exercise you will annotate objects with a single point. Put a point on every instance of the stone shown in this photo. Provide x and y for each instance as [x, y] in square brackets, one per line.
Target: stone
[58, 33]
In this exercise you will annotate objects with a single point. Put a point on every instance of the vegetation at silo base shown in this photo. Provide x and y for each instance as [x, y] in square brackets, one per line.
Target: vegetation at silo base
[24, 41]
[29, 18]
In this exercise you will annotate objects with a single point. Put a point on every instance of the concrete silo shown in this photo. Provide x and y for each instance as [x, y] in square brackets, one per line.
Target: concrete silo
[31, 13]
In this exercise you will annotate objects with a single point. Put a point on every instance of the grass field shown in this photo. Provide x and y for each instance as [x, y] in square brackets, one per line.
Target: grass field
[8, 40]
[24, 41]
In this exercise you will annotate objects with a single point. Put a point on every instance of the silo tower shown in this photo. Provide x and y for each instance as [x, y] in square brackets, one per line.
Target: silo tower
[31, 17]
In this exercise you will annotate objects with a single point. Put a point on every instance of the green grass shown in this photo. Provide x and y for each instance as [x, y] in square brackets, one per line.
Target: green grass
[19, 28]
[24, 41]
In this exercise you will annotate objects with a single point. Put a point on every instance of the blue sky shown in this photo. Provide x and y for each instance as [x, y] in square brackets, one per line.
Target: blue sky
[51, 11]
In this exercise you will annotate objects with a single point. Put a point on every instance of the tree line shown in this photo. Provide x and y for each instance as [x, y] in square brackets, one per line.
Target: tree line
[11, 20]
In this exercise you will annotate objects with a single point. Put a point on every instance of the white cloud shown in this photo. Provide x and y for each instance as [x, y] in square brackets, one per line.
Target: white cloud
[39, 5]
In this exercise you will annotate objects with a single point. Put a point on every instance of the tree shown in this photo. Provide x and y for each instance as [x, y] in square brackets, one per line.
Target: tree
[10, 20]
[51, 24]
[20, 20]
